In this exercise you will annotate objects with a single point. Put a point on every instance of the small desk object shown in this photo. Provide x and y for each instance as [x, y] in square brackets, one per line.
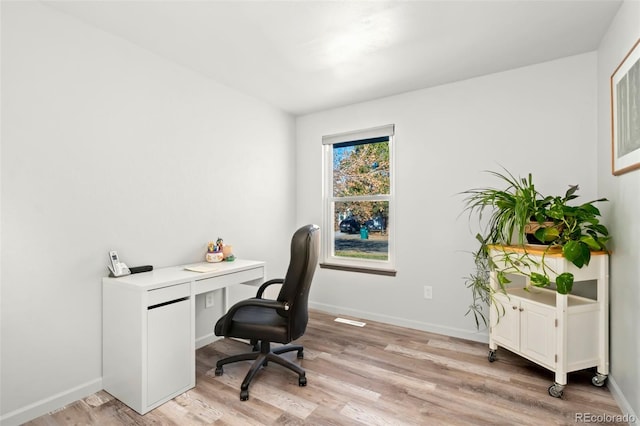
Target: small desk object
[561, 332]
[148, 328]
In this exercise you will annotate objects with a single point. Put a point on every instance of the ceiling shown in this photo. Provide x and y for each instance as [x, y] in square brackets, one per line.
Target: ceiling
[306, 56]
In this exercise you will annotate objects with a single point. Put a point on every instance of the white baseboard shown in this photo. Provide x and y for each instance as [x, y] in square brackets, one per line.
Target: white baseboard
[206, 339]
[624, 405]
[476, 336]
[54, 402]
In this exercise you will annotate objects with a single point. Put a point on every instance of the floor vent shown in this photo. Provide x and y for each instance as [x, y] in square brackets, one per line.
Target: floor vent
[350, 322]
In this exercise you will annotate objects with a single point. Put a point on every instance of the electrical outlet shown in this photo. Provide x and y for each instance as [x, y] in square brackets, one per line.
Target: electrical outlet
[428, 292]
[208, 300]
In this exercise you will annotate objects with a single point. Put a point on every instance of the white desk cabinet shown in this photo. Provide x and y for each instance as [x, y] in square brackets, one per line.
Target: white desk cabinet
[148, 354]
[562, 333]
[169, 350]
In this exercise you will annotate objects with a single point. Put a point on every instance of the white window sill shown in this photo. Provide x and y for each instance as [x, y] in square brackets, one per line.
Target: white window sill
[364, 270]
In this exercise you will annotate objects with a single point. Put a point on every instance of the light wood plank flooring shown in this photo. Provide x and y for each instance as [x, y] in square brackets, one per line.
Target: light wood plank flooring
[376, 375]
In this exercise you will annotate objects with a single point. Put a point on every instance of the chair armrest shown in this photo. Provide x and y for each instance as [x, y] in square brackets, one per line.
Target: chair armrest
[265, 303]
[267, 284]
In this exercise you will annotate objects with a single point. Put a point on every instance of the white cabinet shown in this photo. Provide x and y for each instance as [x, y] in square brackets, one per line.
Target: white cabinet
[537, 332]
[169, 349]
[563, 333]
[148, 351]
[527, 328]
[505, 323]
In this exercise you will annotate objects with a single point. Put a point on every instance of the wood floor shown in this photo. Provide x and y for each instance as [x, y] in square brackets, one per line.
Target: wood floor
[376, 375]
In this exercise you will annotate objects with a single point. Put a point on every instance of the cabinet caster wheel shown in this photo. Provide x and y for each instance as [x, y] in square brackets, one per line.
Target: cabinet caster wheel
[556, 390]
[244, 395]
[219, 371]
[599, 380]
[302, 381]
[300, 354]
[492, 355]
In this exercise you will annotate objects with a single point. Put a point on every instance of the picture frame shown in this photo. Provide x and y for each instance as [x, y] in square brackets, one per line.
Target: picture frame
[625, 113]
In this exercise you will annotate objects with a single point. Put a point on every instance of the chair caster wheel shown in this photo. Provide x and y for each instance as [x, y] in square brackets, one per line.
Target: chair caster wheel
[300, 354]
[556, 390]
[599, 380]
[218, 371]
[492, 355]
[244, 395]
[302, 381]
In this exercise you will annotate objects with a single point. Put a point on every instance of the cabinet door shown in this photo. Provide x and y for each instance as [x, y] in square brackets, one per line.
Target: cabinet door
[169, 352]
[538, 333]
[505, 329]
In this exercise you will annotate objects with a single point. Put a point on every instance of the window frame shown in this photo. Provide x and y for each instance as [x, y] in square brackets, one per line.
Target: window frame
[328, 258]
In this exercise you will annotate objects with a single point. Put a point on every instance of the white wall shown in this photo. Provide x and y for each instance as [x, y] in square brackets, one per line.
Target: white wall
[624, 221]
[539, 119]
[107, 146]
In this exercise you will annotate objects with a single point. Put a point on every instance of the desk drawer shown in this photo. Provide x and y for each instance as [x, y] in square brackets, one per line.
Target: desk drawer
[209, 284]
[166, 294]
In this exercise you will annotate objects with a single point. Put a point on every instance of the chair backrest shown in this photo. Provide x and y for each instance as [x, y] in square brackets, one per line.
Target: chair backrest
[305, 245]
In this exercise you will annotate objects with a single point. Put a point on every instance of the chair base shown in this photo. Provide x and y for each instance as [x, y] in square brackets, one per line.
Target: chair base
[262, 359]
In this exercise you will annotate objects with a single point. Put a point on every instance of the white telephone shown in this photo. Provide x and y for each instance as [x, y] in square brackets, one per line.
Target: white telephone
[117, 268]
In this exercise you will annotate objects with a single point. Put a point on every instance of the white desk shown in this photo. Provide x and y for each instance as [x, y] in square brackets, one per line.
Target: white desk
[148, 329]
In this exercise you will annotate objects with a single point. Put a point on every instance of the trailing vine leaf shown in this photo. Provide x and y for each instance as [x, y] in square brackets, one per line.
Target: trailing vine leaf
[556, 211]
[591, 209]
[599, 229]
[577, 253]
[590, 241]
[539, 280]
[502, 278]
[564, 283]
[547, 234]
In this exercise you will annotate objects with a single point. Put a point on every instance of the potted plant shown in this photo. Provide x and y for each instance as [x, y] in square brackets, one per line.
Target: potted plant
[518, 214]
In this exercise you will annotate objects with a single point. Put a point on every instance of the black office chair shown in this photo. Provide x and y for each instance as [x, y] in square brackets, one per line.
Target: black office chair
[264, 321]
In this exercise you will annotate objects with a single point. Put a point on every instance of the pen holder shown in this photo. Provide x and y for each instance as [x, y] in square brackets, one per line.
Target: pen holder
[214, 257]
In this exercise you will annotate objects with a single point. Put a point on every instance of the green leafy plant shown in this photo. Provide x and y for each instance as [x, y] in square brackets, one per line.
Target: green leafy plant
[519, 214]
[576, 229]
[510, 209]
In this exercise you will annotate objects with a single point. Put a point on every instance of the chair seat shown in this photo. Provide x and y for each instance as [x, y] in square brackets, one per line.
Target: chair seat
[254, 322]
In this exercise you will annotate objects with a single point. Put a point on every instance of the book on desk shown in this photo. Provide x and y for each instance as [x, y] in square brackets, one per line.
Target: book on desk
[201, 267]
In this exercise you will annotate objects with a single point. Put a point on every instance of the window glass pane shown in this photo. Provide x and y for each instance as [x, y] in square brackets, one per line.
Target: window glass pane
[361, 229]
[361, 169]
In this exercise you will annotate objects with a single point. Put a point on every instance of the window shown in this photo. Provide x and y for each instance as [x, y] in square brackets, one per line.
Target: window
[358, 218]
